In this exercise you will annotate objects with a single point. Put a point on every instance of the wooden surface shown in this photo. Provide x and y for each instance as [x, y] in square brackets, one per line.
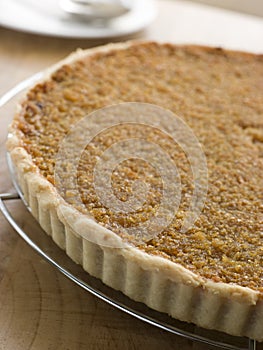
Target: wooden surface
[39, 308]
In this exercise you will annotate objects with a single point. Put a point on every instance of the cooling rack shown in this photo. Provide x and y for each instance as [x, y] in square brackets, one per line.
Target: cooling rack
[44, 245]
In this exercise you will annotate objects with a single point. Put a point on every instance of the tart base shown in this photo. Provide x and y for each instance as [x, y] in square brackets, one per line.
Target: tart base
[159, 283]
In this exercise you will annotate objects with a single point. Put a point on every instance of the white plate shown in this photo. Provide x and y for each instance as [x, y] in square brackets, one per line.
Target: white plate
[45, 17]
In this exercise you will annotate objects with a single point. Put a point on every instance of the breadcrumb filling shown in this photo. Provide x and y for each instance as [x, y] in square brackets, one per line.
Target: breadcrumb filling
[219, 95]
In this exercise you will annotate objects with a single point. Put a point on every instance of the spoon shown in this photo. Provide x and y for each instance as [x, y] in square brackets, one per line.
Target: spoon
[95, 9]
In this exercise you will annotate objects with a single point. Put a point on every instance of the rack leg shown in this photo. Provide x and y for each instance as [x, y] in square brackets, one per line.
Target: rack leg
[252, 344]
[6, 196]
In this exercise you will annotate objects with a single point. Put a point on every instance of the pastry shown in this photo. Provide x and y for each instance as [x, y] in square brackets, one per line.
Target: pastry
[211, 273]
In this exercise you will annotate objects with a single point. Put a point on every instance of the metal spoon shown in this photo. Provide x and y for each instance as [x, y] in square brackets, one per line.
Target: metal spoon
[95, 9]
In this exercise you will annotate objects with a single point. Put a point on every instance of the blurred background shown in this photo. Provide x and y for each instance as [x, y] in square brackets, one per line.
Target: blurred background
[254, 7]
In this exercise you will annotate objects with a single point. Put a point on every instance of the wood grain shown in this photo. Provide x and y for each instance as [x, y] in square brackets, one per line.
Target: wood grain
[39, 308]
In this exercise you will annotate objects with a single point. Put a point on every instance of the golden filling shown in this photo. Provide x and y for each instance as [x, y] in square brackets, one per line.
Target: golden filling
[219, 95]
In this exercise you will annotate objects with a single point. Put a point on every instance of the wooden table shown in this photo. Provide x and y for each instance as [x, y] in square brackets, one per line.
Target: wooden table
[39, 308]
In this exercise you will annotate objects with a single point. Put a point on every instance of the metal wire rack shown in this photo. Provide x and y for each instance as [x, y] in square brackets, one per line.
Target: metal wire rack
[121, 302]
[44, 245]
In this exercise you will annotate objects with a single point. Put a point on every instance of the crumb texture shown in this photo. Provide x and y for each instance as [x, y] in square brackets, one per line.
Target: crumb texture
[219, 95]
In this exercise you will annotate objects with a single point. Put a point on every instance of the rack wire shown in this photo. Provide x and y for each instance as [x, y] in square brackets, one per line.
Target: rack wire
[123, 306]
[45, 247]
[102, 292]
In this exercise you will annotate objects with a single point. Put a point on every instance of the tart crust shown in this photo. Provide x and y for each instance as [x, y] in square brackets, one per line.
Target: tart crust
[159, 283]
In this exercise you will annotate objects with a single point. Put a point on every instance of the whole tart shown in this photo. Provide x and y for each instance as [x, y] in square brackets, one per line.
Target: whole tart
[211, 274]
